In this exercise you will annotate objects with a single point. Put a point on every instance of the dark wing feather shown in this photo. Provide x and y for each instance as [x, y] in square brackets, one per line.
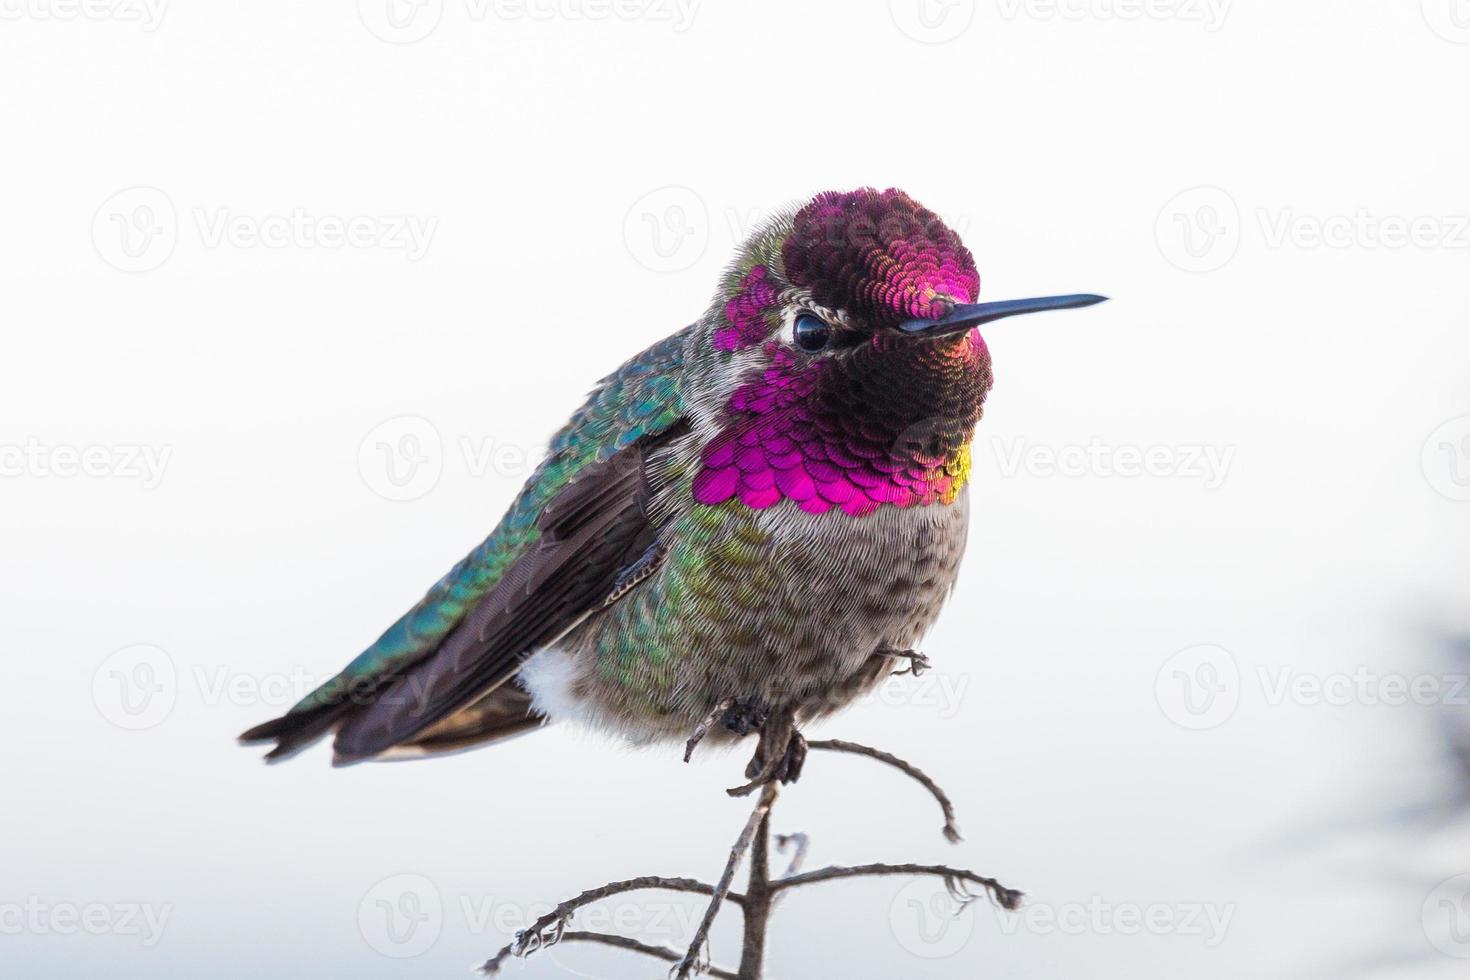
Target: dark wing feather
[598, 526]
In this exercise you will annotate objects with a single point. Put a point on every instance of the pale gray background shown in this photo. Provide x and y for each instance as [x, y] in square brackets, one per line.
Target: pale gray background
[148, 620]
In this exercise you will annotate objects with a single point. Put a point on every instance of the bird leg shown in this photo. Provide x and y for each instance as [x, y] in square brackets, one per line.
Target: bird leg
[740, 717]
[778, 755]
[918, 662]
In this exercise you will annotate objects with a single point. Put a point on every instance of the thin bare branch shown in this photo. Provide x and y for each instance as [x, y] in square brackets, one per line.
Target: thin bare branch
[758, 900]
[551, 927]
[955, 879]
[623, 942]
[951, 831]
[690, 960]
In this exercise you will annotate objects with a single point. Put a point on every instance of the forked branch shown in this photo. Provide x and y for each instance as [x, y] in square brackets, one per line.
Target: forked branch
[762, 890]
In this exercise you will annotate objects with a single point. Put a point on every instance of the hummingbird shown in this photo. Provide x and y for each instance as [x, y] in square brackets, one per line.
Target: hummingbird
[744, 528]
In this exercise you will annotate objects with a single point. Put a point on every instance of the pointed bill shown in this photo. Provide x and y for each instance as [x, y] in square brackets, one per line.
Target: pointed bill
[967, 315]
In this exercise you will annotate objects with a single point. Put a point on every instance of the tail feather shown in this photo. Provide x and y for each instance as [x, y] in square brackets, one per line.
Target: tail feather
[501, 714]
[295, 731]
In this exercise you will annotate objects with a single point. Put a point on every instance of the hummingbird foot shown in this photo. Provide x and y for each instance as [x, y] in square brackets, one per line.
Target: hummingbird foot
[918, 662]
[739, 717]
[744, 717]
[778, 756]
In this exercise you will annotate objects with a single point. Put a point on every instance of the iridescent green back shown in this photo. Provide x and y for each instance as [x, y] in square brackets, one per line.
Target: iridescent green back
[643, 397]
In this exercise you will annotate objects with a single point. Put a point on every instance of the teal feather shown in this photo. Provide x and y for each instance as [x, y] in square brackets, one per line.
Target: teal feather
[642, 398]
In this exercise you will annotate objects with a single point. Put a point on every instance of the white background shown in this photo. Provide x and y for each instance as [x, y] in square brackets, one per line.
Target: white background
[151, 614]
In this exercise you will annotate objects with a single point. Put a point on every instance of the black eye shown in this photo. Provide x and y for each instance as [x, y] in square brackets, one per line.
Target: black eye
[812, 333]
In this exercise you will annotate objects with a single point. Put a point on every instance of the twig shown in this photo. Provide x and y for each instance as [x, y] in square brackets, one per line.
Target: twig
[623, 942]
[769, 768]
[758, 900]
[951, 831]
[758, 818]
[954, 879]
[551, 927]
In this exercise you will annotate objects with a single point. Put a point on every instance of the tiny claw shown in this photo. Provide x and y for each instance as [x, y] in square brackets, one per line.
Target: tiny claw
[717, 713]
[918, 662]
[793, 760]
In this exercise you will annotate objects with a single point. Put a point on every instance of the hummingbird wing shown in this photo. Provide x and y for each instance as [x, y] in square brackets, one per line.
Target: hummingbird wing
[557, 554]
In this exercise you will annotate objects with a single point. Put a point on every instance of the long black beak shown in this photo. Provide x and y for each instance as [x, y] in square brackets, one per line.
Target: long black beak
[967, 315]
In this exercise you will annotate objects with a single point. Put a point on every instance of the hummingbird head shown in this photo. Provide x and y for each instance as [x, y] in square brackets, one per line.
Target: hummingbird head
[841, 363]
